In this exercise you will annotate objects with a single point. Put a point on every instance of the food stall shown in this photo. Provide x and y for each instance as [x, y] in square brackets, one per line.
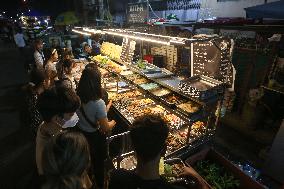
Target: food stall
[191, 104]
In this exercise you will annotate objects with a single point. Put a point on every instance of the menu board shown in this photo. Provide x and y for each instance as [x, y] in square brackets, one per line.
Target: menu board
[213, 59]
[128, 47]
[137, 13]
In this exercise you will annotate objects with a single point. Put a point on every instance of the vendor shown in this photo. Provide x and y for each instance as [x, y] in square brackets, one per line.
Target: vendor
[86, 51]
[96, 46]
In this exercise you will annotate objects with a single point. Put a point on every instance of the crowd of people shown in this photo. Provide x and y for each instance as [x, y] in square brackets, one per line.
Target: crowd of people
[70, 124]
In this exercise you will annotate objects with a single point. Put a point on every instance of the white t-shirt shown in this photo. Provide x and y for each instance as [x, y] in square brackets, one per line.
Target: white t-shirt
[39, 59]
[19, 40]
[95, 110]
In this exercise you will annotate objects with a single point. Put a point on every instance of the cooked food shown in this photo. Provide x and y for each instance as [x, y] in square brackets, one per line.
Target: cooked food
[161, 92]
[174, 99]
[128, 163]
[189, 107]
[140, 80]
[176, 141]
[171, 172]
[197, 129]
[149, 86]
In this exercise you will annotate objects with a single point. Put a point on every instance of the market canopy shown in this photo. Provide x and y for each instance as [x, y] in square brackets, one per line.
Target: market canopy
[66, 18]
[269, 10]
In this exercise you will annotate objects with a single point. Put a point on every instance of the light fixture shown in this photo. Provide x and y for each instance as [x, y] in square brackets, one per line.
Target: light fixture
[93, 31]
[80, 32]
[29, 10]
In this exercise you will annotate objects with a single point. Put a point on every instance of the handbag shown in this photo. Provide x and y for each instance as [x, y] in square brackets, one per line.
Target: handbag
[94, 125]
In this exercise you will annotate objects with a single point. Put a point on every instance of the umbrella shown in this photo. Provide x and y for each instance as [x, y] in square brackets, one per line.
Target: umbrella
[66, 18]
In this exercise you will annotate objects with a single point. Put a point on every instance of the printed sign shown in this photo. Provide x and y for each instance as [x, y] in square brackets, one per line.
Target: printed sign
[137, 13]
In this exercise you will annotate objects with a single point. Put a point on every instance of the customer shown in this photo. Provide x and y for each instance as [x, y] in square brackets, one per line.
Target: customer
[66, 76]
[104, 92]
[66, 54]
[93, 119]
[20, 41]
[38, 54]
[57, 107]
[148, 135]
[50, 65]
[38, 83]
[65, 161]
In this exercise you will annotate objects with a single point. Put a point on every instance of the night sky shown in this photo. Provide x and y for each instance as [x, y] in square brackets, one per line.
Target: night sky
[52, 7]
[45, 7]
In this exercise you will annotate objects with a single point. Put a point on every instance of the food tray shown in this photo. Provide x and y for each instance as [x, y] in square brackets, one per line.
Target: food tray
[158, 74]
[170, 82]
[173, 99]
[149, 86]
[126, 161]
[246, 182]
[176, 141]
[160, 92]
[189, 108]
[171, 169]
[197, 130]
[201, 87]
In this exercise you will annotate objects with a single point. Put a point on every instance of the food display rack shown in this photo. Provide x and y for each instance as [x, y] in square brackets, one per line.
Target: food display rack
[208, 111]
[190, 141]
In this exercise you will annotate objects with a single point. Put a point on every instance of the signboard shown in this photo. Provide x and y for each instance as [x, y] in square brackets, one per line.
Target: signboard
[237, 33]
[213, 59]
[137, 13]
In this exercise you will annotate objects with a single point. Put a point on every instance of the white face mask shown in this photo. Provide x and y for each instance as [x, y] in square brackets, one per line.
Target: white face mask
[71, 122]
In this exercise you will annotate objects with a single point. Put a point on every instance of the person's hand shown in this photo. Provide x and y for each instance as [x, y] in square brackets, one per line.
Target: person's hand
[109, 105]
[112, 123]
[187, 171]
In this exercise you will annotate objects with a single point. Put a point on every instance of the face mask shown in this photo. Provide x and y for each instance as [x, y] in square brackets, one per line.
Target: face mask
[71, 122]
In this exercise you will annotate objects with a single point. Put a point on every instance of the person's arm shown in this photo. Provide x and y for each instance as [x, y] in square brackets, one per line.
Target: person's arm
[189, 171]
[109, 105]
[105, 124]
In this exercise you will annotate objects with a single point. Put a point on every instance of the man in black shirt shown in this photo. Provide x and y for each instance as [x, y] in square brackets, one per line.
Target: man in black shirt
[148, 135]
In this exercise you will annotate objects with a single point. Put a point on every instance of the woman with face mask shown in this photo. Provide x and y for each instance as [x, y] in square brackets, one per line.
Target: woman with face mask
[57, 107]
